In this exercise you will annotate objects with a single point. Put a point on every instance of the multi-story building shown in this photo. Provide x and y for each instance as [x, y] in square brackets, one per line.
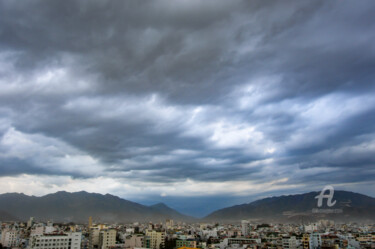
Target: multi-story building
[56, 241]
[169, 224]
[30, 222]
[10, 238]
[191, 243]
[245, 227]
[366, 240]
[330, 240]
[315, 240]
[37, 230]
[289, 242]
[107, 238]
[101, 237]
[238, 242]
[147, 242]
[135, 240]
[305, 241]
[157, 238]
[94, 238]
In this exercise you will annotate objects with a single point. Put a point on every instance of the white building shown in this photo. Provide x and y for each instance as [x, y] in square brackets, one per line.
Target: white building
[37, 230]
[56, 241]
[134, 241]
[209, 233]
[245, 227]
[289, 242]
[315, 240]
[50, 229]
[237, 242]
[10, 238]
[311, 228]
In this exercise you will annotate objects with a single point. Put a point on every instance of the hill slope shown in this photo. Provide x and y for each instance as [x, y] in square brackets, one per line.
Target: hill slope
[5, 216]
[355, 207]
[78, 206]
[173, 214]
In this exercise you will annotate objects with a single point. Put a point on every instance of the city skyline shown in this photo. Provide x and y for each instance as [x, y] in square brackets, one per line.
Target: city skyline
[196, 104]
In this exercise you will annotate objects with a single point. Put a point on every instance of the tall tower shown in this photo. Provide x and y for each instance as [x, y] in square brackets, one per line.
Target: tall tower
[90, 222]
[245, 228]
[30, 222]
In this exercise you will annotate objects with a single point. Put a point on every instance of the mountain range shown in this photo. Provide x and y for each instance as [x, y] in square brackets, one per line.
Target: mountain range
[349, 206]
[77, 207]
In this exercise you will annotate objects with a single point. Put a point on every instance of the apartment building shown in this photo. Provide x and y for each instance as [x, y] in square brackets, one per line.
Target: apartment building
[10, 238]
[107, 238]
[56, 241]
[157, 238]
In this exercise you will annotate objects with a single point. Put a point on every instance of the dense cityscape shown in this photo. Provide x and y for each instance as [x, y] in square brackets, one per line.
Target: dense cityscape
[187, 124]
[324, 234]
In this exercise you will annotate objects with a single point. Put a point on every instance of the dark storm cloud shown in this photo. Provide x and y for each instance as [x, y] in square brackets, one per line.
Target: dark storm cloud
[203, 90]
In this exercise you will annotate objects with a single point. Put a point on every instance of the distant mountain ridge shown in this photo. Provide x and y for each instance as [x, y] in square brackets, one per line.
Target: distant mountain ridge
[78, 206]
[286, 208]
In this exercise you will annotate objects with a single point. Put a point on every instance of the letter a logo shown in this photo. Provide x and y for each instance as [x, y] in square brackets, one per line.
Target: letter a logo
[329, 196]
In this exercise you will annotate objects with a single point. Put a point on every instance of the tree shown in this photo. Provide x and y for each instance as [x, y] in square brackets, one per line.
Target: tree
[169, 243]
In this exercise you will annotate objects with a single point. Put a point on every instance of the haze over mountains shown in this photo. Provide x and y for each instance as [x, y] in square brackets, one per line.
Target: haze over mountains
[78, 206]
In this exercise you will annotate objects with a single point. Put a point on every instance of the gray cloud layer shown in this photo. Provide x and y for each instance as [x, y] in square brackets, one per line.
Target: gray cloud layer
[162, 92]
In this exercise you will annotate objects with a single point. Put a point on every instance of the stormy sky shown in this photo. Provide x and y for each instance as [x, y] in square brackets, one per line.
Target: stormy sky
[198, 104]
